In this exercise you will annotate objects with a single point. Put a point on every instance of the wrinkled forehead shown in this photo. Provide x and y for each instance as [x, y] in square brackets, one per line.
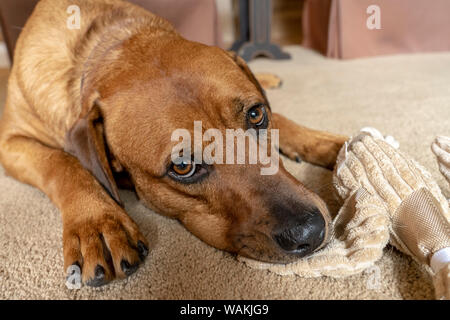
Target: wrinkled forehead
[210, 74]
[199, 85]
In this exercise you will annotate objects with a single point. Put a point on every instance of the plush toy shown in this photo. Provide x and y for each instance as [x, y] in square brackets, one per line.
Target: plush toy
[441, 148]
[389, 198]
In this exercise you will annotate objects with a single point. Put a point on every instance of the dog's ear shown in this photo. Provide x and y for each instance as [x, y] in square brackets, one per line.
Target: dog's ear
[244, 67]
[86, 141]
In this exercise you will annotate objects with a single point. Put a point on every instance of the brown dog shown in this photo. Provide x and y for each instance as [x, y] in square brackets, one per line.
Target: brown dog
[89, 105]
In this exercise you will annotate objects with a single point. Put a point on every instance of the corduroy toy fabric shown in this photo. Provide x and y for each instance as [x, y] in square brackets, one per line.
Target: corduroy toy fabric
[389, 198]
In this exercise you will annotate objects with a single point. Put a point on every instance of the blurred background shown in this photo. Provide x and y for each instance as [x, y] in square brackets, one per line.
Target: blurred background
[214, 22]
[342, 29]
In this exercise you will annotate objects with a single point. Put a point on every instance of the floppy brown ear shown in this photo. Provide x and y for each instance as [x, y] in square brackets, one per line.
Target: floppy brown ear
[244, 67]
[86, 141]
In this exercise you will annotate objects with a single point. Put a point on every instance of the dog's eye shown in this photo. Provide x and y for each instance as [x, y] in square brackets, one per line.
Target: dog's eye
[187, 172]
[257, 117]
[184, 169]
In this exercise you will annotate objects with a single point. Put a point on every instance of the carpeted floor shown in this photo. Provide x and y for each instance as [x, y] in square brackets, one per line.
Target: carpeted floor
[405, 96]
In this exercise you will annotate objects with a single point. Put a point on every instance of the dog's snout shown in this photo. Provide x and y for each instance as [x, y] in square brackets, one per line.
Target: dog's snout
[303, 238]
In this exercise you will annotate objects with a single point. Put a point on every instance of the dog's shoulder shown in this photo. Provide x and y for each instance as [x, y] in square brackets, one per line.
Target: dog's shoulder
[53, 53]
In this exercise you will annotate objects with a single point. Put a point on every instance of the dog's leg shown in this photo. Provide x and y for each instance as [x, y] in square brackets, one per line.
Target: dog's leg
[98, 235]
[300, 143]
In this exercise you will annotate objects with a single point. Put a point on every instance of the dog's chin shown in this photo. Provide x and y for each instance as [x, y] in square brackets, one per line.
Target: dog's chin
[276, 256]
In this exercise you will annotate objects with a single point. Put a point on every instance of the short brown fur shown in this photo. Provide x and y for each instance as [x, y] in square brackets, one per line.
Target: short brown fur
[84, 105]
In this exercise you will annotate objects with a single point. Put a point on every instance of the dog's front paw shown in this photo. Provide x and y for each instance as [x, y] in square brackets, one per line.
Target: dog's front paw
[290, 153]
[99, 248]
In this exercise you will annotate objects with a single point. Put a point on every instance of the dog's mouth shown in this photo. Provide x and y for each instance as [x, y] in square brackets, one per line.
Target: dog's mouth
[275, 257]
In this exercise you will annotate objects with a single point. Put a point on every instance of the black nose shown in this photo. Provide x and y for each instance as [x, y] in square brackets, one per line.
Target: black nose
[303, 238]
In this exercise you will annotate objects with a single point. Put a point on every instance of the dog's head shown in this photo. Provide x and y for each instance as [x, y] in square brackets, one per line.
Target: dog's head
[149, 92]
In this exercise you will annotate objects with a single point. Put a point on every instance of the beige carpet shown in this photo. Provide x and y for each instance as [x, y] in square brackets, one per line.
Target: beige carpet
[406, 96]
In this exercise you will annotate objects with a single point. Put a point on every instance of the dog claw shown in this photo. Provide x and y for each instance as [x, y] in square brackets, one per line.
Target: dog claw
[143, 250]
[127, 268]
[99, 277]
